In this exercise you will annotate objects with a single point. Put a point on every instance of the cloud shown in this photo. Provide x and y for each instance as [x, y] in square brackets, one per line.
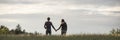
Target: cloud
[10, 20]
[76, 22]
[57, 6]
[93, 10]
[54, 6]
[79, 14]
[29, 9]
[75, 2]
[19, 1]
[56, 9]
[96, 2]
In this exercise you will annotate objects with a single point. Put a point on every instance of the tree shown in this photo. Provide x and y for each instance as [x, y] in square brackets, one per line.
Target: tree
[4, 29]
[115, 31]
[18, 29]
[23, 31]
[12, 31]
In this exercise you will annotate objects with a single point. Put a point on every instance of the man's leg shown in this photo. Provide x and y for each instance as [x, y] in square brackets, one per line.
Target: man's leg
[47, 32]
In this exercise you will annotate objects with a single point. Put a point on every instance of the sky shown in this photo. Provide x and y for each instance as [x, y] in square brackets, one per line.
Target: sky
[81, 16]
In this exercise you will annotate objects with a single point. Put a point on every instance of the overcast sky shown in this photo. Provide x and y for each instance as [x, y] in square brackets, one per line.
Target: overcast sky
[82, 16]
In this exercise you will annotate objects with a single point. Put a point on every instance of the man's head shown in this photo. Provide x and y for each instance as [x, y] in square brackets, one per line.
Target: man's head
[62, 20]
[48, 18]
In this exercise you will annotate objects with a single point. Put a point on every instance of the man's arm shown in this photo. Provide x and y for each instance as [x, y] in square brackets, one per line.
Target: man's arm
[53, 27]
[45, 26]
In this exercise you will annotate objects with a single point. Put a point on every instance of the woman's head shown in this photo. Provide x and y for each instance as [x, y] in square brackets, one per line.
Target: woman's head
[62, 20]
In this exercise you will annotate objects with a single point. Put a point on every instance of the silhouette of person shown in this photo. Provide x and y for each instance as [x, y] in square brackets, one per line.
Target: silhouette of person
[63, 27]
[48, 25]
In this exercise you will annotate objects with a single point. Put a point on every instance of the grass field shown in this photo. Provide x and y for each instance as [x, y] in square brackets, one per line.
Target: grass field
[56, 37]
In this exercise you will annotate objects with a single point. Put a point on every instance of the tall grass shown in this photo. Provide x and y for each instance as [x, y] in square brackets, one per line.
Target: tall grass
[57, 37]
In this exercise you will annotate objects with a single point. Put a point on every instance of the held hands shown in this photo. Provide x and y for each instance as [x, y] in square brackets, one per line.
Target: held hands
[56, 30]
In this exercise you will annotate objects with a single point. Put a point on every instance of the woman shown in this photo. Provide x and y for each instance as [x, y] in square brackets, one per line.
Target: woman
[63, 27]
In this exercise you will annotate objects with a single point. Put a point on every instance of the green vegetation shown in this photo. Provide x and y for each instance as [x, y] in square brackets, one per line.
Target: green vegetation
[4, 30]
[18, 34]
[70, 37]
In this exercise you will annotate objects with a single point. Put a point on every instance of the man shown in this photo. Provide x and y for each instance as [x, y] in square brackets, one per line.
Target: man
[48, 25]
[63, 27]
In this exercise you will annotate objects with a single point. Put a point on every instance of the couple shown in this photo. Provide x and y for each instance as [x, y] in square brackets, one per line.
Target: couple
[48, 25]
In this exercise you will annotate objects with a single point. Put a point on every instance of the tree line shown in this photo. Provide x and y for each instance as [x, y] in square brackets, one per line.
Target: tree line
[5, 30]
[18, 30]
